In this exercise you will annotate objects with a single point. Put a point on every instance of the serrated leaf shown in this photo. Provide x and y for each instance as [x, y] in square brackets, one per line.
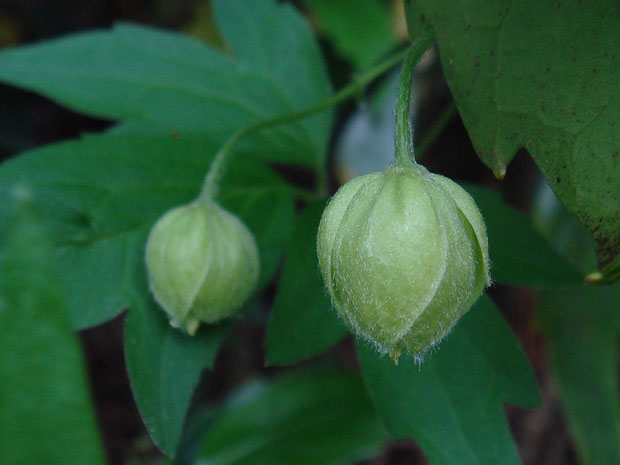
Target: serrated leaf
[451, 405]
[541, 76]
[135, 73]
[303, 323]
[302, 418]
[582, 327]
[102, 194]
[519, 255]
[46, 414]
[363, 37]
[164, 367]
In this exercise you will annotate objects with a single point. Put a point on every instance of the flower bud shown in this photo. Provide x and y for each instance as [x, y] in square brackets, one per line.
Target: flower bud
[404, 255]
[202, 263]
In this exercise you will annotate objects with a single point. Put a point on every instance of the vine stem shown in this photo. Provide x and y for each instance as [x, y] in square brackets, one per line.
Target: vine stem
[211, 185]
[402, 116]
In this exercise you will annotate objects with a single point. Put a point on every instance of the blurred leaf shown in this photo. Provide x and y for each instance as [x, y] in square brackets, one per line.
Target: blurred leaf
[360, 29]
[311, 417]
[562, 230]
[582, 327]
[102, 194]
[303, 323]
[177, 83]
[451, 405]
[520, 256]
[199, 419]
[366, 143]
[45, 411]
[164, 366]
[543, 76]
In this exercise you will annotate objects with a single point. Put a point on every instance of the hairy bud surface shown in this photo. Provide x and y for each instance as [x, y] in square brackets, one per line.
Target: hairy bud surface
[202, 263]
[404, 255]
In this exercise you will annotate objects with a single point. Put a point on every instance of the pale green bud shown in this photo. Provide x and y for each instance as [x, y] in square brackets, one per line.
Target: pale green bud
[404, 255]
[202, 263]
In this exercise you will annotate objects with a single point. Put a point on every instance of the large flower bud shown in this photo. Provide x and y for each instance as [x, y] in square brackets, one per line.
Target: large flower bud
[202, 263]
[404, 255]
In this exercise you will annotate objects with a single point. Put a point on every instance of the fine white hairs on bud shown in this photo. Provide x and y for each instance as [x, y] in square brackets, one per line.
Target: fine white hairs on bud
[202, 263]
[404, 255]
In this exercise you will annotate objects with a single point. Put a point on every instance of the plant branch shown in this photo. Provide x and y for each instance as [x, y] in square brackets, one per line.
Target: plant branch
[213, 178]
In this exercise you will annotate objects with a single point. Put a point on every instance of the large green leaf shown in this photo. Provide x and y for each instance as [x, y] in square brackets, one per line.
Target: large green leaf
[302, 322]
[519, 254]
[363, 37]
[102, 193]
[46, 414]
[582, 327]
[164, 367]
[319, 416]
[141, 74]
[542, 76]
[451, 404]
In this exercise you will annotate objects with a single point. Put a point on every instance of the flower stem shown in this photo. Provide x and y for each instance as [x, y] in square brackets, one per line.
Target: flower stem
[213, 178]
[404, 135]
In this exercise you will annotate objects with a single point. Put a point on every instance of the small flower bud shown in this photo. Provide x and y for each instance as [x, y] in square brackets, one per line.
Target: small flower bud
[404, 255]
[202, 263]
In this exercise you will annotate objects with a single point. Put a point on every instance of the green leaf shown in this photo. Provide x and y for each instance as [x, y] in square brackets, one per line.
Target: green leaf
[265, 204]
[541, 76]
[302, 418]
[102, 194]
[451, 404]
[362, 37]
[134, 73]
[275, 41]
[303, 323]
[164, 367]
[46, 414]
[198, 421]
[582, 326]
[519, 254]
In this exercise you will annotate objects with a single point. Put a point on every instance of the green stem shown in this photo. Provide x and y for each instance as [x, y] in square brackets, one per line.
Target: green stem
[404, 135]
[213, 178]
